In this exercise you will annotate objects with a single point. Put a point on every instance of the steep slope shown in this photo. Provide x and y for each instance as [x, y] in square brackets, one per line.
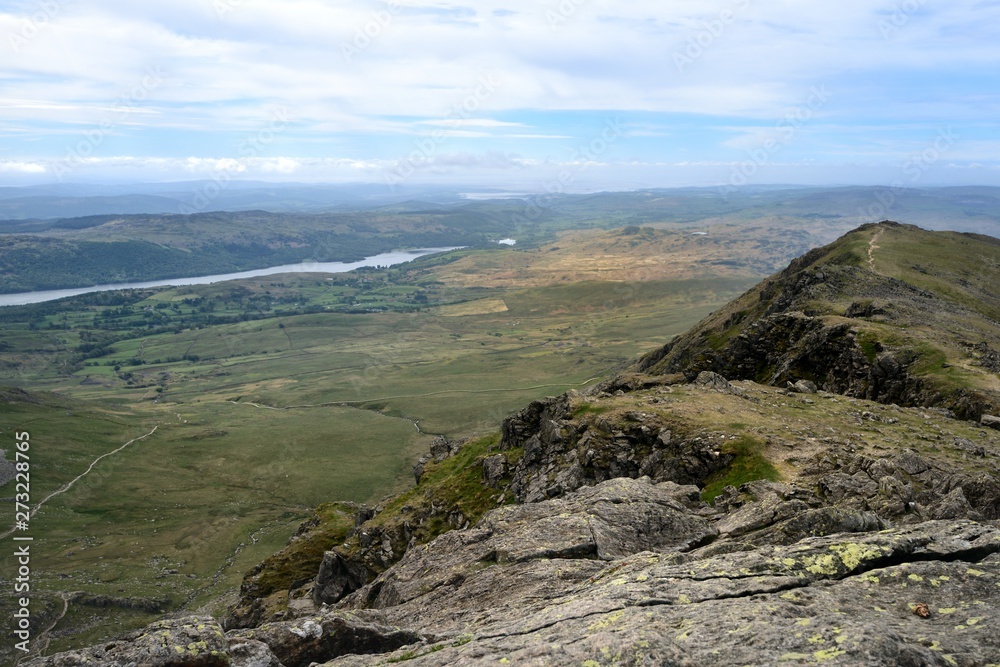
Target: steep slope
[888, 312]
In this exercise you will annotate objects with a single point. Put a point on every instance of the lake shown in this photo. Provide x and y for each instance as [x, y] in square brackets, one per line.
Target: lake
[385, 259]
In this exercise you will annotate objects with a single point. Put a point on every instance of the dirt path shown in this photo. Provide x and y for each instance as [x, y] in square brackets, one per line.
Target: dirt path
[873, 246]
[66, 487]
[42, 640]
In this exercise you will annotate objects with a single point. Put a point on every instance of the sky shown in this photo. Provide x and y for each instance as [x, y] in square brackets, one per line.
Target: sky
[533, 95]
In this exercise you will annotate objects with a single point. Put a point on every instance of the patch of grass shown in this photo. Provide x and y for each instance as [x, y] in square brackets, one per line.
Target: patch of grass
[869, 345]
[300, 560]
[749, 464]
[455, 482]
[589, 409]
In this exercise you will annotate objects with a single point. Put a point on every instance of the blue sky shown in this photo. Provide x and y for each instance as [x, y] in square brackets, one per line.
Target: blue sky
[518, 94]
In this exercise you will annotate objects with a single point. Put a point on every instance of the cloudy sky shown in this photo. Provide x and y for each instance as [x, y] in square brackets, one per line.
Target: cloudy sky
[511, 93]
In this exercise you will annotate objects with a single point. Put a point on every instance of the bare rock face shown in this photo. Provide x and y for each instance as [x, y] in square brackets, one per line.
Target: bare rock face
[338, 577]
[923, 595]
[601, 523]
[634, 572]
[193, 641]
[305, 641]
[251, 653]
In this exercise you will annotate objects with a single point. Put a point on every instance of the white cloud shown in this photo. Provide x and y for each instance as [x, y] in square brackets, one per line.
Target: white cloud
[224, 72]
[22, 167]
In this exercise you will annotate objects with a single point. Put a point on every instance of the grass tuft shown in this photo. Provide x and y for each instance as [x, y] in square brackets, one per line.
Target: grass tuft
[748, 464]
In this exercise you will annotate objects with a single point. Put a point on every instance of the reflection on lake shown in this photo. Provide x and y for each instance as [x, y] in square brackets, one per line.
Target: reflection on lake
[385, 259]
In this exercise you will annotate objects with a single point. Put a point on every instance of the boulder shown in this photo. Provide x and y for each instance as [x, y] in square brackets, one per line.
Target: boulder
[320, 638]
[191, 641]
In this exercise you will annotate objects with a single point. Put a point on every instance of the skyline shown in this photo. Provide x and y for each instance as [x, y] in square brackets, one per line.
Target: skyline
[570, 95]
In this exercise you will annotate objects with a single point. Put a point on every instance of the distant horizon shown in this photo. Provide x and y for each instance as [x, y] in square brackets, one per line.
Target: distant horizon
[484, 189]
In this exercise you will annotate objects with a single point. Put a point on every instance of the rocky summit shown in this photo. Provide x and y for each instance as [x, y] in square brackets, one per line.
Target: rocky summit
[808, 477]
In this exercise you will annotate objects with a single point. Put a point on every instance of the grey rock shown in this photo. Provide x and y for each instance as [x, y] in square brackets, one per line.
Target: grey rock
[837, 600]
[804, 387]
[192, 641]
[494, 469]
[716, 382]
[252, 653]
[419, 467]
[990, 421]
[604, 522]
[952, 506]
[337, 577]
[320, 638]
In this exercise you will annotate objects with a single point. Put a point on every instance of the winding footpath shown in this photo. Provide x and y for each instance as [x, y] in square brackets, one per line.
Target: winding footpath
[66, 487]
[873, 246]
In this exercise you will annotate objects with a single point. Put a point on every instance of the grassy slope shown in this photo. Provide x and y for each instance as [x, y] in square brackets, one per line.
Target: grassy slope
[958, 273]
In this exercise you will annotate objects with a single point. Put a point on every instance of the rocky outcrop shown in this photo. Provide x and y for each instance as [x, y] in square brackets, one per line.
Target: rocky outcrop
[840, 600]
[630, 570]
[562, 453]
[194, 641]
[319, 638]
[862, 560]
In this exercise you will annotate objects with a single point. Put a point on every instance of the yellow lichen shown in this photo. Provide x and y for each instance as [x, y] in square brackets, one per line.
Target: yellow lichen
[853, 555]
[947, 610]
[609, 621]
[915, 577]
[829, 654]
[822, 565]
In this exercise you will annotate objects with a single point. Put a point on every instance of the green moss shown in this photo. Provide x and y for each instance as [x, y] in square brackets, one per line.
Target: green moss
[869, 345]
[300, 560]
[455, 483]
[748, 464]
[589, 409]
